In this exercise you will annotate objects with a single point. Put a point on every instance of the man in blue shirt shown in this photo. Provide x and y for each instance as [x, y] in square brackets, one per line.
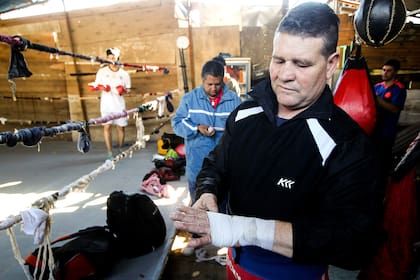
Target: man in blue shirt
[390, 97]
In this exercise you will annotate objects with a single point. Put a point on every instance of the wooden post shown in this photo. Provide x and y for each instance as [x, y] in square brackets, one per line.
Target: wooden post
[73, 84]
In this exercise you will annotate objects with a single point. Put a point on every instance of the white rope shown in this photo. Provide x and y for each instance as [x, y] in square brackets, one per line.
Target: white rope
[16, 252]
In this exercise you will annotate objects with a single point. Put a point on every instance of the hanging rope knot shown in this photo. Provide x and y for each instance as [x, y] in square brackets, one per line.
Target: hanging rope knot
[45, 203]
[22, 45]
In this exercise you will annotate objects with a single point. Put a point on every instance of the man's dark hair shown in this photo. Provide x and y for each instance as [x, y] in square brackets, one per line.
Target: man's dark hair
[312, 20]
[220, 59]
[214, 68]
[394, 63]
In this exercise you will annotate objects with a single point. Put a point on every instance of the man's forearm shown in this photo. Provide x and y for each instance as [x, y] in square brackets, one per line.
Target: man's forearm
[271, 235]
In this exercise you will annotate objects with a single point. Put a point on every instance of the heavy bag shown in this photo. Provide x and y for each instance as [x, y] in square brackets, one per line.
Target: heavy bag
[354, 92]
[137, 223]
[378, 22]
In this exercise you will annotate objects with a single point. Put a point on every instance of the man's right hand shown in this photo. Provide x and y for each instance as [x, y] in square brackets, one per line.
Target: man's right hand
[206, 130]
[207, 202]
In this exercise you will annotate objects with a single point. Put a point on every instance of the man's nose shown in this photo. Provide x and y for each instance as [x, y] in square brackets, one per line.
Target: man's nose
[286, 72]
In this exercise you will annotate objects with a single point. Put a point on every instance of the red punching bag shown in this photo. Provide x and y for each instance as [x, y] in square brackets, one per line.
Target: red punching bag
[354, 92]
[378, 22]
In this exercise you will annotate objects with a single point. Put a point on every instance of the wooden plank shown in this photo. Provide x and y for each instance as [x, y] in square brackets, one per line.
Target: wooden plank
[207, 43]
[35, 110]
[138, 22]
[24, 29]
[33, 87]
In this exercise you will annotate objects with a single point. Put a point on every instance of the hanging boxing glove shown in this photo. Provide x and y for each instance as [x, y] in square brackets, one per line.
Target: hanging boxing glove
[121, 89]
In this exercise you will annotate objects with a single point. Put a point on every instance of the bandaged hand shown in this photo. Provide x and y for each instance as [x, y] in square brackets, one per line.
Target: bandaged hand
[226, 230]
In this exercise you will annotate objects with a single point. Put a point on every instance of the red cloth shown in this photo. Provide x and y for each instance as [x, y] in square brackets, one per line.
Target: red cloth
[214, 101]
[234, 271]
[395, 256]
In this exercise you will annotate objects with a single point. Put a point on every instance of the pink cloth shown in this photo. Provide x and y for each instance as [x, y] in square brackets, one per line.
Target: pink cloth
[153, 186]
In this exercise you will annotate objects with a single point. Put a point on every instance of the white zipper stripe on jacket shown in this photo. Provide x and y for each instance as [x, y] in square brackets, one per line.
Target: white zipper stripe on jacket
[219, 114]
[242, 114]
[324, 142]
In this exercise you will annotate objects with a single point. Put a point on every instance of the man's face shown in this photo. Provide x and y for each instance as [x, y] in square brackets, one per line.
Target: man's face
[111, 57]
[388, 73]
[212, 85]
[299, 72]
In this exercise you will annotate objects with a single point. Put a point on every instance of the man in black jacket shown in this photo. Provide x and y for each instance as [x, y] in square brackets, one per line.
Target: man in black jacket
[298, 174]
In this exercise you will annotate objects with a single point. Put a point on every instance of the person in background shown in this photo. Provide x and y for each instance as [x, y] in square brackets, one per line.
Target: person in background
[390, 96]
[227, 79]
[201, 116]
[114, 82]
[299, 175]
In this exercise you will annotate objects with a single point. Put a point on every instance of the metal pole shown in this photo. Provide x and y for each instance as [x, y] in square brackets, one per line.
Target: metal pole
[184, 70]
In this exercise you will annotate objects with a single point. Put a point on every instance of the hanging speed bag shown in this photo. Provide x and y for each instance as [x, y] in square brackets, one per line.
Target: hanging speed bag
[378, 22]
[355, 95]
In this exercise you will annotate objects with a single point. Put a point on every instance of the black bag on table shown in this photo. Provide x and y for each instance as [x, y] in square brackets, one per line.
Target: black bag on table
[89, 254]
[136, 222]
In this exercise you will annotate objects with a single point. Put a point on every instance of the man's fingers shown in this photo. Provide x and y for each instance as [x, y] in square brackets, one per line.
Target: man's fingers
[191, 220]
[192, 228]
[207, 202]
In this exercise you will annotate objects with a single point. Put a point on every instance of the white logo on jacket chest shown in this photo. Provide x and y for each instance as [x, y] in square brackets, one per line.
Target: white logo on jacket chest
[285, 183]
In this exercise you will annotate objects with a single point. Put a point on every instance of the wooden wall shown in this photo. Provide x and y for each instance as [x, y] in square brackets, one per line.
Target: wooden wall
[146, 33]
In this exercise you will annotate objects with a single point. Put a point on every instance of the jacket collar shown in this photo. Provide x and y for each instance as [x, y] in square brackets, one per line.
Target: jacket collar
[225, 95]
[264, 95]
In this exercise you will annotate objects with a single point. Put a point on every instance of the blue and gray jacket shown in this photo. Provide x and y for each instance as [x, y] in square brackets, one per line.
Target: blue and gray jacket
[195, 109]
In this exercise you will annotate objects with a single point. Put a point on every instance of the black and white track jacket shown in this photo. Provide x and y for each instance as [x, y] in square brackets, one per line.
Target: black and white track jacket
[317, 171]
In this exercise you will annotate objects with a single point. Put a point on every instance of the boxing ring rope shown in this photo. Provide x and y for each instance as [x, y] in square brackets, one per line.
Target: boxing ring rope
[82, 183]
[19, 43]
[32, 136]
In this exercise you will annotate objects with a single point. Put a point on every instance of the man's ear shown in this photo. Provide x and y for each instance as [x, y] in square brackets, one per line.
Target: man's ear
[332, 63]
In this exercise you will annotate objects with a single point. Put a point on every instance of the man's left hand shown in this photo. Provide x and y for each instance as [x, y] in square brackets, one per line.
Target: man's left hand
[194, 221]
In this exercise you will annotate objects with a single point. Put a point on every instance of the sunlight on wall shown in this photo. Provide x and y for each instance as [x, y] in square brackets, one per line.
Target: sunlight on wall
[56, 6]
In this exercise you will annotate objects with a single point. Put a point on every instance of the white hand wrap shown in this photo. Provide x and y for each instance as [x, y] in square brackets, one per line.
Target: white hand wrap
[228, 230]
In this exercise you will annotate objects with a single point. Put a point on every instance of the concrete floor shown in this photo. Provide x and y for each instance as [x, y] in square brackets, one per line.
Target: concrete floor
[27, 174]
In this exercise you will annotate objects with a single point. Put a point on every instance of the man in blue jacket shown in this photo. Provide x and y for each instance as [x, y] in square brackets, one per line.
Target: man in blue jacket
[201, 116]
[299, 175]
